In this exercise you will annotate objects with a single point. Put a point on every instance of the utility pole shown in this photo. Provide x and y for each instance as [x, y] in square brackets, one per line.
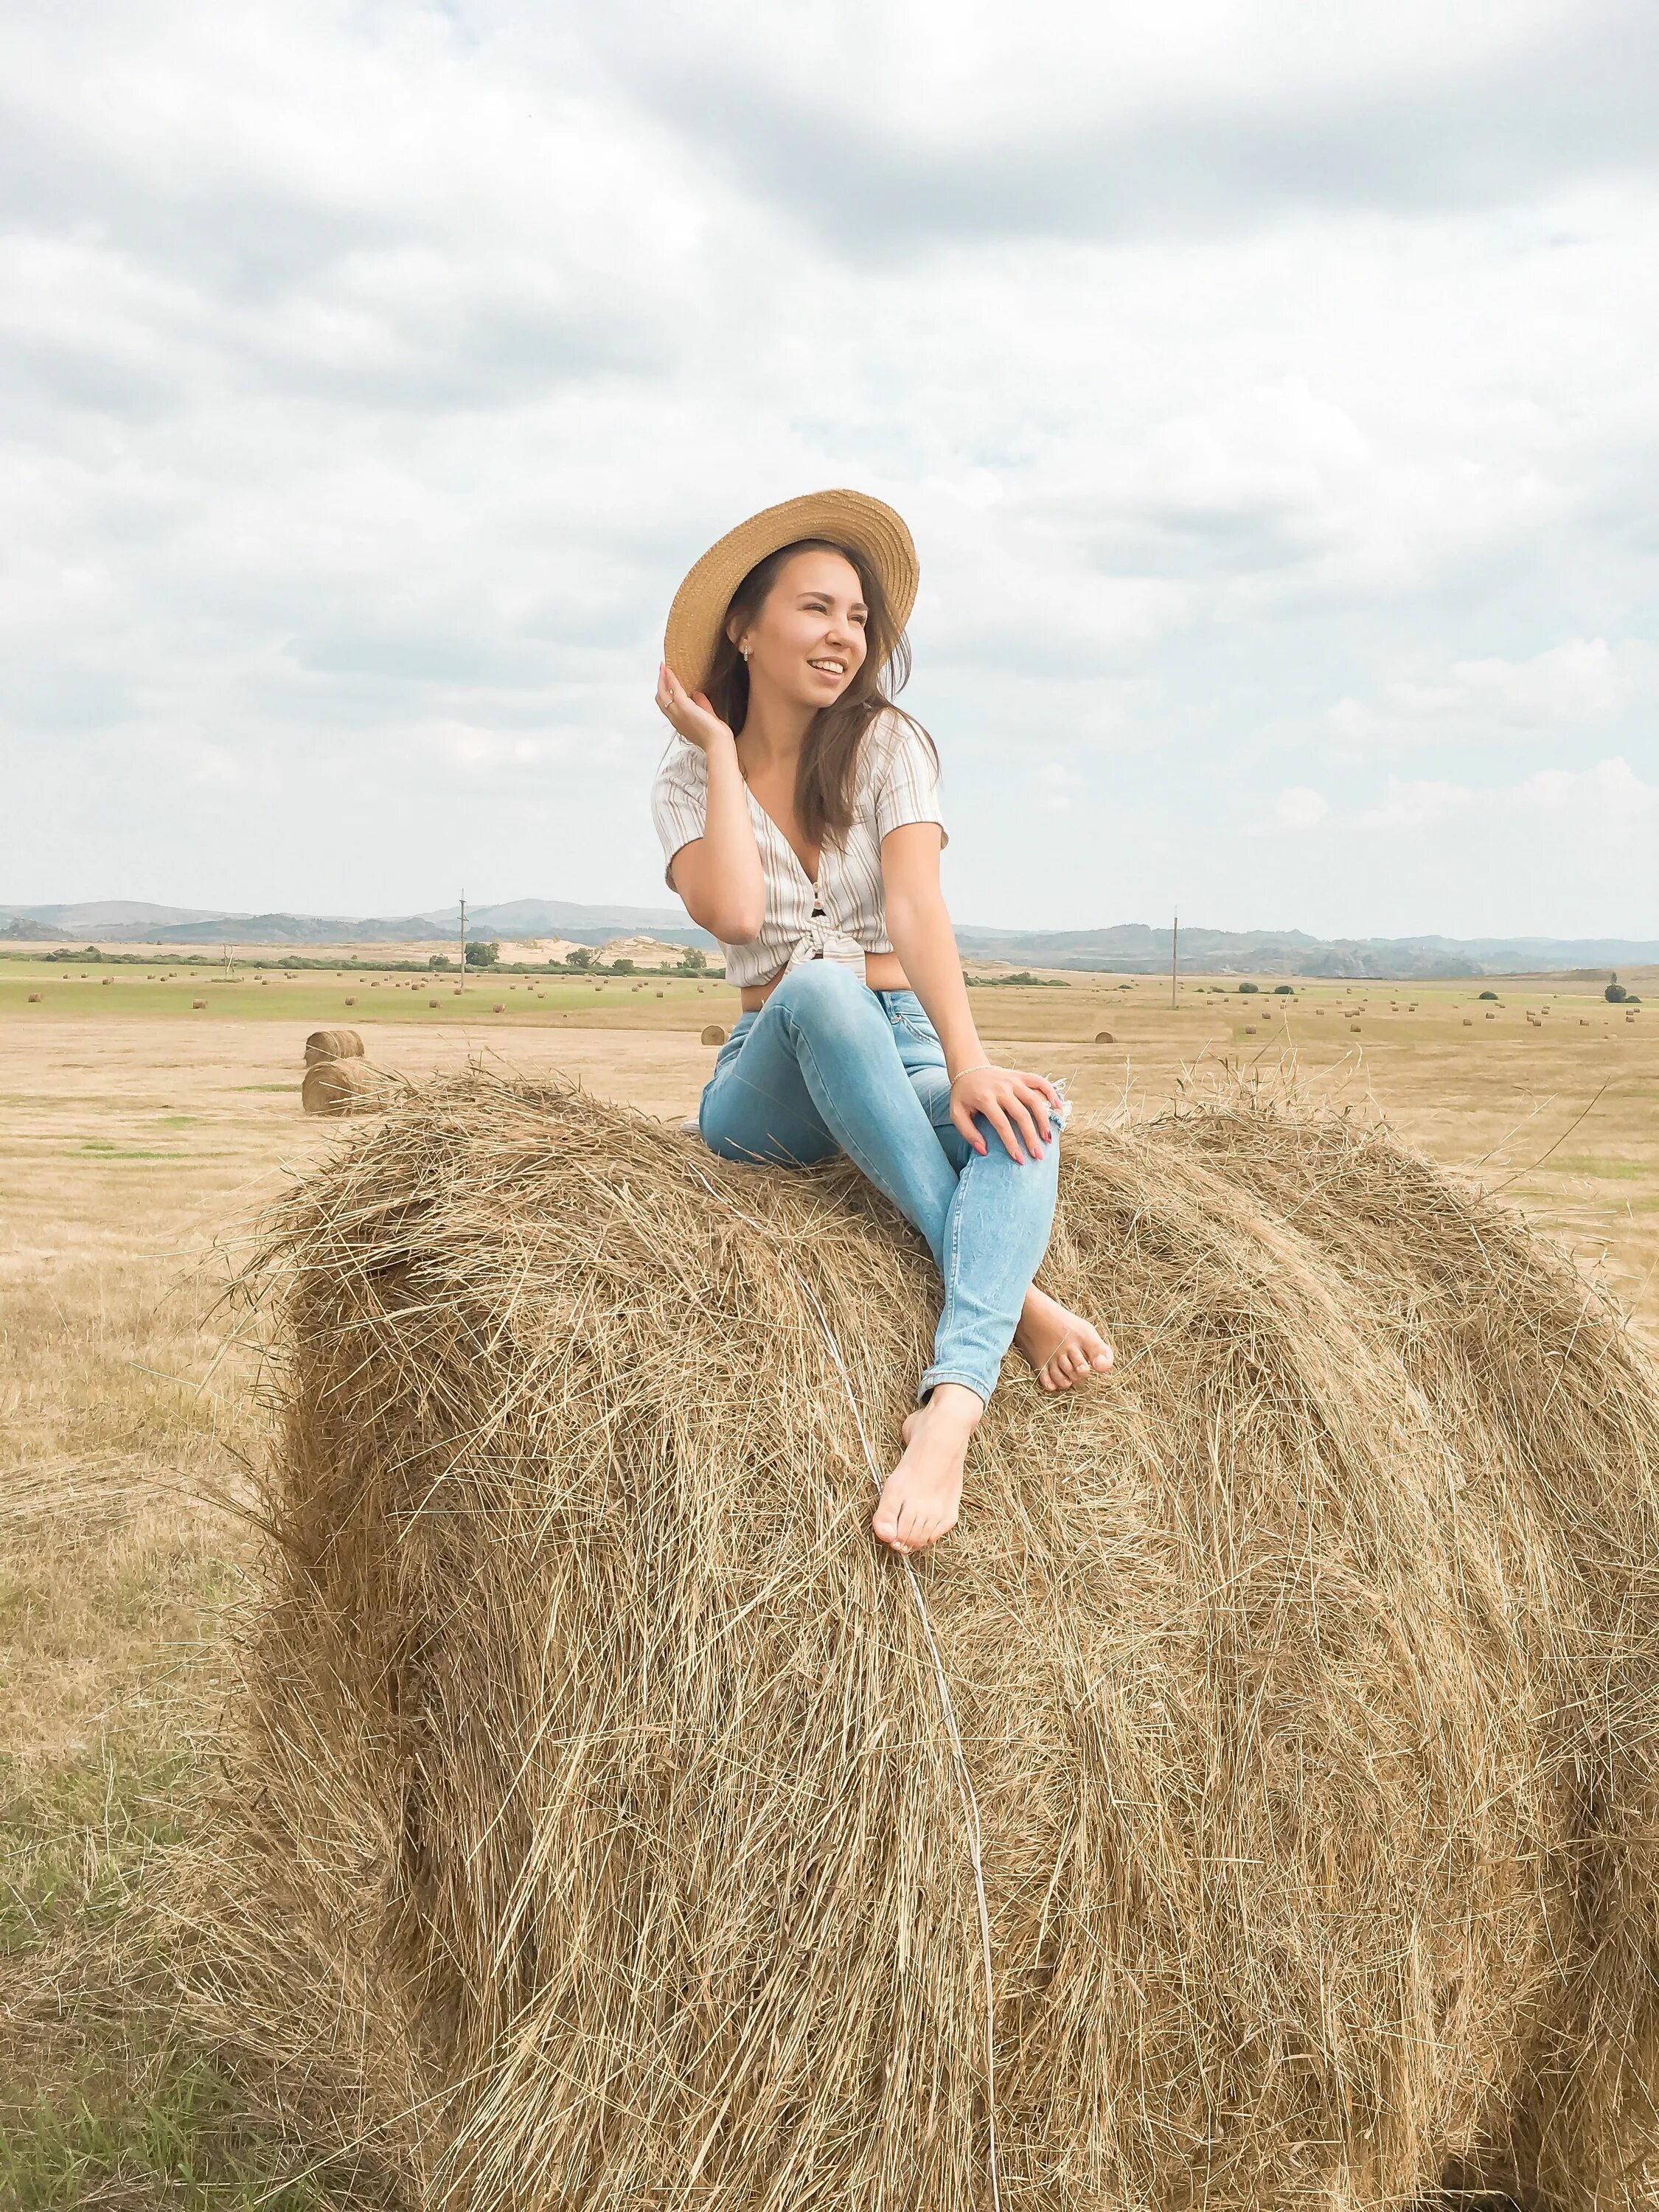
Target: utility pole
[1175, 939]
[463, 940]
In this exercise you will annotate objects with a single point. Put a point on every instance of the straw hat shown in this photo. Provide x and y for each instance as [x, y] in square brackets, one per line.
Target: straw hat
[852, 519]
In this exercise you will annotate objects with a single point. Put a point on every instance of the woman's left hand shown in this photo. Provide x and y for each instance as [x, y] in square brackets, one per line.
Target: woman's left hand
[1016, 1105]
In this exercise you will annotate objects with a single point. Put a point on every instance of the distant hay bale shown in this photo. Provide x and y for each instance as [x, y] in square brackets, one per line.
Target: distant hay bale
[341, 1086]
[197, 1005]
[432, 1002]
[35, 998]
[713, 1034]
[106, 980]
[1104, 1036]
[333, 1044]
[596, 1838]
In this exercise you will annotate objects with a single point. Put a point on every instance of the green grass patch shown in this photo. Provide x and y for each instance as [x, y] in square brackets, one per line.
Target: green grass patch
[172, 2138]
[102, 2101]
[75, 1838]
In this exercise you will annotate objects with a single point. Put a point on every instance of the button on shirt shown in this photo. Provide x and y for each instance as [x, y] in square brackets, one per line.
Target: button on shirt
[843, 916]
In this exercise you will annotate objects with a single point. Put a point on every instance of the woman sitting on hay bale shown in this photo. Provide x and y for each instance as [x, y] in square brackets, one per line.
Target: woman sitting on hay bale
[798, 813]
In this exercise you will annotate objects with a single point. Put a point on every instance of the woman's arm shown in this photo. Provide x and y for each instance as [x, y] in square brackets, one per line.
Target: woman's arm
[718, 875]
[1014, 1102]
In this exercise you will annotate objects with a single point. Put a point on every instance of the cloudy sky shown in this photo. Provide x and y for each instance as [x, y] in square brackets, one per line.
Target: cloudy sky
[1273, 391]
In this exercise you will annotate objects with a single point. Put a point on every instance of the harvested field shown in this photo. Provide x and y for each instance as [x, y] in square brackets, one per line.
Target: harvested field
[114, 1609]
[609, 1846]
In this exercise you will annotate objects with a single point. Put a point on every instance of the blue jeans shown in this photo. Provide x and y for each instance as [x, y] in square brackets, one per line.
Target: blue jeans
[829, 1066]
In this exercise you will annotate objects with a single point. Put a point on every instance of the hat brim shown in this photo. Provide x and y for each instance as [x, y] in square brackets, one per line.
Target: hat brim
[852, 519]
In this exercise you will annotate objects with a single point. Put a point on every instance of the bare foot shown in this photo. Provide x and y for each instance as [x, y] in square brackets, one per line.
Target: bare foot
[1062, 1347]
[919, 1501]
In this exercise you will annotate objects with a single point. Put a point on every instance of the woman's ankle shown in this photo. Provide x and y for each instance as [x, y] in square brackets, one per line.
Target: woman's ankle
[955, 1406]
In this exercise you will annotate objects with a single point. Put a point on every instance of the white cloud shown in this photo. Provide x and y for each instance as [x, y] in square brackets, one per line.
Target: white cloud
[1298, 809]
[1055, 784]
[1585, 680]
[369, 376]
[1535, 856]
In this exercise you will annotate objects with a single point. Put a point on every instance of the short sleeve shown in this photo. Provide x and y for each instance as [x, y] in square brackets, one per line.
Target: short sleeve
[679, 801]
[904, 777]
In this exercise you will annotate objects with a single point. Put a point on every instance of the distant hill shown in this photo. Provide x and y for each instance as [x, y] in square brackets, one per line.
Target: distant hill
[39, 933]
[1126, 948]
[1134, 948]
[108, 914]
[557, 917]
[521, 919]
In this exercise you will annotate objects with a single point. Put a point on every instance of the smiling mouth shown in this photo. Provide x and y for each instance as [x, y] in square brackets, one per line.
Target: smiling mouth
[828, 668]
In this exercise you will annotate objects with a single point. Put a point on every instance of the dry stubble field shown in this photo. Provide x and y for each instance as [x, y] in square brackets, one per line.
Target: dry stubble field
[139, 1136]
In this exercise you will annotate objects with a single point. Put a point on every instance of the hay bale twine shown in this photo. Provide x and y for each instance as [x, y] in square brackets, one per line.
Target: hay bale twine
[713, 1034]
[597, 1839]
[333, 1044]
[341, 1086]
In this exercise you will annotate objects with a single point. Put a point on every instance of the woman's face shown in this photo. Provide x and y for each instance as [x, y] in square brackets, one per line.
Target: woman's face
[807, 643]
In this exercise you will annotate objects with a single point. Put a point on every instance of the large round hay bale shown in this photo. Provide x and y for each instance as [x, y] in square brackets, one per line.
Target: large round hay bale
[713, 1034]
[599, 1840]
[333, 1044]
[341, 1086]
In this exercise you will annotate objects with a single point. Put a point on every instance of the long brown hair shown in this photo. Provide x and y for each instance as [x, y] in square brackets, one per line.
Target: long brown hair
[828, 774]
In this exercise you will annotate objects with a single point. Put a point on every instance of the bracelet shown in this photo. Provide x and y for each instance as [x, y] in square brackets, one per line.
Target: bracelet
[974, 1070]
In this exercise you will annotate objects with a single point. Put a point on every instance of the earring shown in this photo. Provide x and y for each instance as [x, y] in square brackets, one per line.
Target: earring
[744, 650]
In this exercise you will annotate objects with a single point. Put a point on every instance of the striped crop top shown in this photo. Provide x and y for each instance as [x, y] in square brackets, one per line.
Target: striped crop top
[843, 916]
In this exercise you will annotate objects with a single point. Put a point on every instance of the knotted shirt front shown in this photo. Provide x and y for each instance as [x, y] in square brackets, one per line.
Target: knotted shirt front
[844, 914]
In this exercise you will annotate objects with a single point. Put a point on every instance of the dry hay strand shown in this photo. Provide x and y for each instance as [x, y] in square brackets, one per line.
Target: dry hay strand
[333, 1044]
[342, 1086]
[599, 1843]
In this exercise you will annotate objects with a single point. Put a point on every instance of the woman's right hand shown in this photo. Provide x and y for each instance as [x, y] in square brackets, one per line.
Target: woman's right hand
[689, 711]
